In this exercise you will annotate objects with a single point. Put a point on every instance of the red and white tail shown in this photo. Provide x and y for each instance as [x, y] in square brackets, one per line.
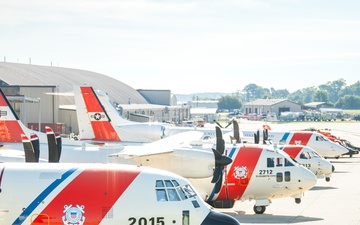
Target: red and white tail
[94, 123]
[11, 127]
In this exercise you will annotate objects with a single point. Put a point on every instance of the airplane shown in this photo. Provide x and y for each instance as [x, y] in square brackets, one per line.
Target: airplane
[242, 171]
[353, 150]
[304, 155]
[309, 158]
[45, 193]
[320, 143]
[101, 114]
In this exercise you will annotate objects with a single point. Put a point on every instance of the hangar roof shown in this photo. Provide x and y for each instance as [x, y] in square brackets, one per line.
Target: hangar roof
[65, 78]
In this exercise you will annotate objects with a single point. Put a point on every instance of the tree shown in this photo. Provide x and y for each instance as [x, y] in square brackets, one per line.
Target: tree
[333, 89]
[252, 92]
[321, 96]
[229, 102]
[349, 102]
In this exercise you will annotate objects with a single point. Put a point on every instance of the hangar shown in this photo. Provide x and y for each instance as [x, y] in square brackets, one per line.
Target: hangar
[28, 86]
[270, 106]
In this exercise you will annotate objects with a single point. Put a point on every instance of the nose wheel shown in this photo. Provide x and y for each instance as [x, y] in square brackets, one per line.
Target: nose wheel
[259, 209]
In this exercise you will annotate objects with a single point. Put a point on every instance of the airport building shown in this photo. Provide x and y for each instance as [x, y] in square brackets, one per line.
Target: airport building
[42, 95]
[270, 106]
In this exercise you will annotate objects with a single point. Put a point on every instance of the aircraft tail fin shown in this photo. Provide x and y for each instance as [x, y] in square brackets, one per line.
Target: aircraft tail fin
[94, 123]
[10, 125]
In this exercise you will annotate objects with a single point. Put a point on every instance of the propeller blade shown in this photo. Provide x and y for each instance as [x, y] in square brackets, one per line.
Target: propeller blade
[236, 131]
[220, 143]
[54, 154]
[31, 152]
[257, 137]
[218, 184]
[265, 136]
[231, 122]
[217, 174]
[217, 123]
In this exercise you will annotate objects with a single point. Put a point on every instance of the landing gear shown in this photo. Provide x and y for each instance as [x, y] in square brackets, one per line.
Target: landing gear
[297, 200]
[327, 179]
[259, 209]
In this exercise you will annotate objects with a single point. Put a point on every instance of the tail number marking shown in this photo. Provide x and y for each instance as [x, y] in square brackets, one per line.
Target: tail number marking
[145, 221]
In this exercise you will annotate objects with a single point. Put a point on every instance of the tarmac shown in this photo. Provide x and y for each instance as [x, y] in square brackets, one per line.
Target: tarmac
[334, 202]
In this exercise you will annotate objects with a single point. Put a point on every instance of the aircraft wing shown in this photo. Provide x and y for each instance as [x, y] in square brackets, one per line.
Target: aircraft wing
[162, 146]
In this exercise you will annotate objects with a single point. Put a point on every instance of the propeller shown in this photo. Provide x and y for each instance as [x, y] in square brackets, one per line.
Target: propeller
[54, 144]
[31, 147]
[221, 160]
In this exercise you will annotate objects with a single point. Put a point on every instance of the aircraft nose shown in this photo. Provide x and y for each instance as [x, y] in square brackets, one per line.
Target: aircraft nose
[309, 179]
[328, 167]
[341, 150]
[216, 218]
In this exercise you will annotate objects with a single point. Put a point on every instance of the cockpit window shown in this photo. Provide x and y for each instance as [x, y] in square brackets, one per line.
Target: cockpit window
[160, 183]
[320, 138]
[170, 190]
[168, 183]
[288, 163]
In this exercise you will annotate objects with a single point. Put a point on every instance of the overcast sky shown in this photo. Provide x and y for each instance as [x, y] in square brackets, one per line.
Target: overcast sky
[189, 46]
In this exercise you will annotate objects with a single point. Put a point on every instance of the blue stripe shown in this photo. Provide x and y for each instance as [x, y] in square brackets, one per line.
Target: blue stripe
[286, 135]
[28, 210]
[232, 151]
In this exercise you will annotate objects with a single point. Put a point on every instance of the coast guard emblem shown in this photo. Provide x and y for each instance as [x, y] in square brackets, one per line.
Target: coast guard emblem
[73, 215]
[240, 172]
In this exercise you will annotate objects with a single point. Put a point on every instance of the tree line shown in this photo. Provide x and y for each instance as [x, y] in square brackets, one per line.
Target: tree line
[332, 92]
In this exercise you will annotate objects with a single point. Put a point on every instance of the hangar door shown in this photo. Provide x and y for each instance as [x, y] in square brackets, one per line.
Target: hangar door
[284, 109]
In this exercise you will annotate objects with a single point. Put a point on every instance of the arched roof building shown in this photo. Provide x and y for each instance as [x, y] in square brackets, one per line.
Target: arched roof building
[65, 78]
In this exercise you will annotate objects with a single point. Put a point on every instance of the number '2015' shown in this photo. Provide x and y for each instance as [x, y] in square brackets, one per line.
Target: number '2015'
[145, 221]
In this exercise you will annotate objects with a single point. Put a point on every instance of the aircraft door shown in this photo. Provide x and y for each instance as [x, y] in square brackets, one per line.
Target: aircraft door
[185, 217]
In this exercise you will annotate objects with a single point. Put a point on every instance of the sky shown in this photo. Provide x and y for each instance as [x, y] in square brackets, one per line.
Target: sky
[189, 46]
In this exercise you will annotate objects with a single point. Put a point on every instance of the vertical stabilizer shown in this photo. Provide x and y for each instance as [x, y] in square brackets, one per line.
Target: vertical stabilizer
[94, 123]
[10, 125]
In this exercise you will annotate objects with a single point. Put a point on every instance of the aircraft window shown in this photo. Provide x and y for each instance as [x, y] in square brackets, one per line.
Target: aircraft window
[159, 183]
[175, 183]
[302, 155]
[181, 193]
[168, 183]
[320, 138]
[316, 155]
[279, 177]
[309, 155]
[189, 191]
[270, 162]
[195, 204]
[170, 190]
[173, 196]
[288, 162]
[161, 195]
[279, 162]
[287, 176]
